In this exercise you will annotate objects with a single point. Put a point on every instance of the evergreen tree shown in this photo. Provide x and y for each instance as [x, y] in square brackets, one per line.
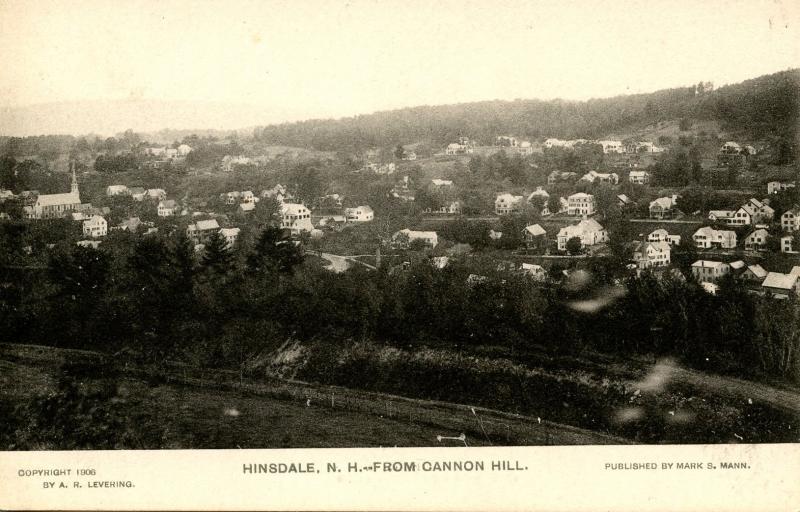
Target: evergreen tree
[217, 256]
[274, 252]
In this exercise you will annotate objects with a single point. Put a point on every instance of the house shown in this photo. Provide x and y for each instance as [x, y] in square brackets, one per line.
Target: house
[506, 141]
[722, 216]
[754, 273]
[463, 147]
[171, 153]
[440, 262]
[296, 218]
[230, 235]
[231, 198]
[762, 212]
[248, 197]
[790, 220]
[410, 156]
[246, 207]
[53, 206]
[757, 240]
[495, 235]
[643, 147]
[589, 231]
[773, 187]
[156, 194]
[130, 224]
[639, 177]
[663, 207]
[744, 216]
[781, 285]
[201, 231]
[732, 151]
[580, 204]
[787, 245]
[407, 236]
[441, 183]
[230, 162]
[505, 204]
[709, 271]
[612, 146]
[454, 208]
[525, 148]
[623, 201]
[137, 193]
[600, 177]
[155, 151]
[661, 235]
[535, 271]
[708, 237]
[561, 177]
[167, 208]
[116, 190]
[359, 214]
[652, 254]
[184, 149]
[539, 192]
[534, 235]
[95, 227]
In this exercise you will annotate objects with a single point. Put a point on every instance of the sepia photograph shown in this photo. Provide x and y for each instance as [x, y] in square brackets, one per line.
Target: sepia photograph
[381, 224]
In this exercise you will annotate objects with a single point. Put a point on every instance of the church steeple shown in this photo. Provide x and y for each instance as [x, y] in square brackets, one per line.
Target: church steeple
[74, 188]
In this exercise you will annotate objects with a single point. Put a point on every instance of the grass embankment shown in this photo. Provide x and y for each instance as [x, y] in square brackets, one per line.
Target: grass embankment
[651, 403]
[48, 404]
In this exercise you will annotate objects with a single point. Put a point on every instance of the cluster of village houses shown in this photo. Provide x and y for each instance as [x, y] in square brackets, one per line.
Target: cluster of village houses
[653, 251]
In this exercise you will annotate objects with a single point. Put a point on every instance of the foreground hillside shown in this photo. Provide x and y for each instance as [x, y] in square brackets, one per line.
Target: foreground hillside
[72, 399]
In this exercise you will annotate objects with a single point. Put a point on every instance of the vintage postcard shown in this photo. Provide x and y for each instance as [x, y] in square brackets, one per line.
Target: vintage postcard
[399, 255]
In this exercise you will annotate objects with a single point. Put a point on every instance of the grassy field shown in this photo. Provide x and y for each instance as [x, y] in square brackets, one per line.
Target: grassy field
[185, 408]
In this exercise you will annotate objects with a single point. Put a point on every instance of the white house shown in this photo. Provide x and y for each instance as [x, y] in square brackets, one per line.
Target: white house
[639, 177]
[757, 240]
[709, 271]
[95, 227]
[663, 207]
[230, 235]
[652, 254]
[184, 149]
[359, 214]
[787, 245]
[707, 237]
[296, 218]
[116, 190]
[247, 207]
[505, 204]
[612, 146]
[773, 187]
[661, 235]
[200, 232]
[601, 177]
[429, 237]
[722, 216]
[580, 204]
[156, 194]
[755, 273]
[790, 220]
[589, 231]
[762, 211]
[539, 192]
[167, 207]
[781, 285]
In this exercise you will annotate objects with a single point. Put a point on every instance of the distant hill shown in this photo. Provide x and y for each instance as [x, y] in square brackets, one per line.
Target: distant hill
[752, 110]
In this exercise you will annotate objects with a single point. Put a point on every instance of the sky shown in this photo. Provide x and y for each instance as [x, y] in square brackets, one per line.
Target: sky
[312, 58]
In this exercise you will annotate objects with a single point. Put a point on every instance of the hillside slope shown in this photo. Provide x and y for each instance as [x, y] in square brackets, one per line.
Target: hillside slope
[755, 109]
